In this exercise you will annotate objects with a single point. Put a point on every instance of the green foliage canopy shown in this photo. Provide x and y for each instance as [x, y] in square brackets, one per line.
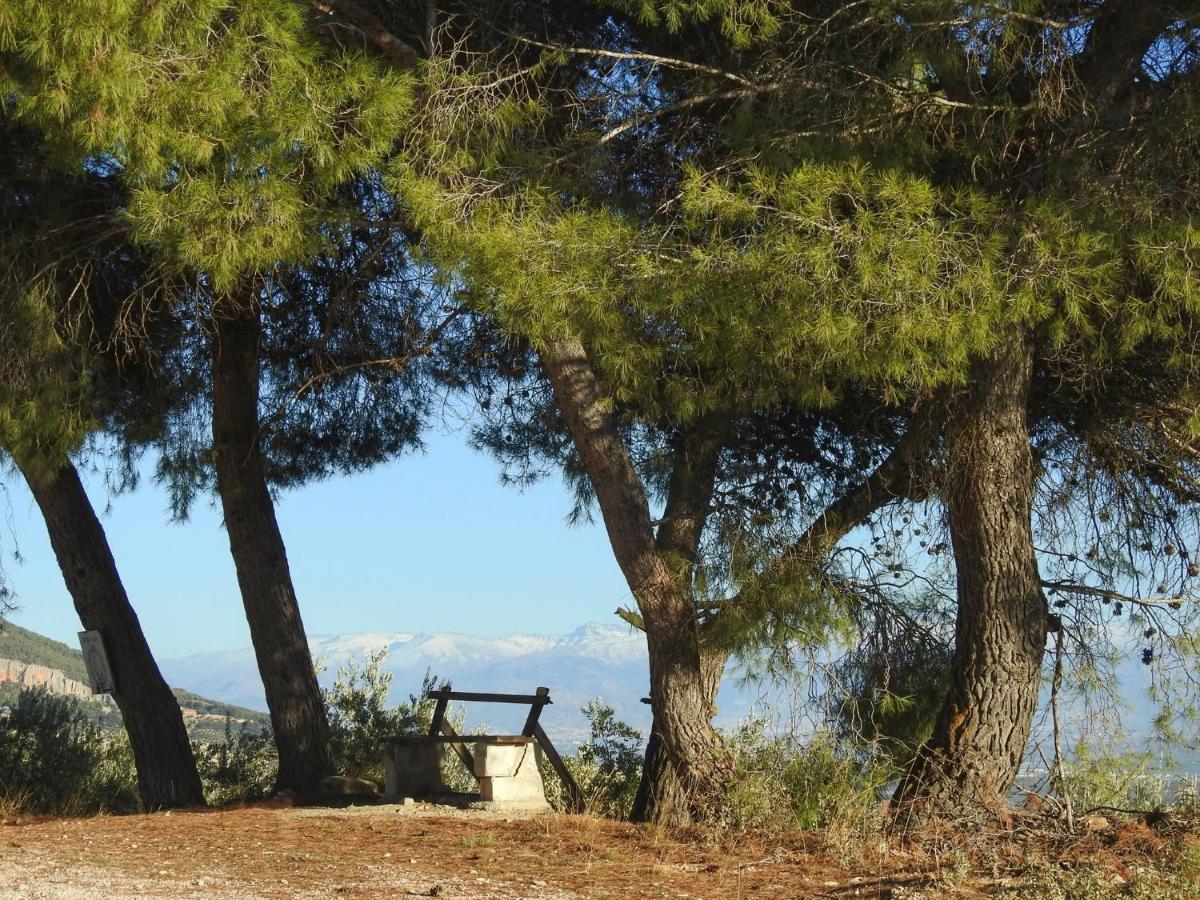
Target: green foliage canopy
[228, 119]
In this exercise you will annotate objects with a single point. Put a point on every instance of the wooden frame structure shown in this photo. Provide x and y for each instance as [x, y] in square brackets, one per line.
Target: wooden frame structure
[440, 728]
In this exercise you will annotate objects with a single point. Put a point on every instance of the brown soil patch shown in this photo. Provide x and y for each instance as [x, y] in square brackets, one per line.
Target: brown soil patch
[389, 851]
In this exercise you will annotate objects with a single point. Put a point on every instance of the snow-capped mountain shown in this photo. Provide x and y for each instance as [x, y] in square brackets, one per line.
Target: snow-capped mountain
[593, 661]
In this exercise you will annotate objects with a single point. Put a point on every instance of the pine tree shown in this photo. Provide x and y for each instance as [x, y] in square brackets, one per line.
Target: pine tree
[1019, 121]
[942, 266]
[62, 267]
[230, 124]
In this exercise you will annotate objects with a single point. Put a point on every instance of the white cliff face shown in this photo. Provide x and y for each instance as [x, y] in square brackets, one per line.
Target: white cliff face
[29, 675]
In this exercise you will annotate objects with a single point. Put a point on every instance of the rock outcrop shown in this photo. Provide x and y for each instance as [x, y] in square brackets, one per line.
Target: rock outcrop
[32, 675]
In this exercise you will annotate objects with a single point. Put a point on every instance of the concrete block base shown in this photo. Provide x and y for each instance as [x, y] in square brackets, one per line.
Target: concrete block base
[414, 770]
[508, 775]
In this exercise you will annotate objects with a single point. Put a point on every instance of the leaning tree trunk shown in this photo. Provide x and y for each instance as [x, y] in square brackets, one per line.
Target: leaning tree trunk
[687, 764]
[973, 758]
[276, 630]
[162, 753]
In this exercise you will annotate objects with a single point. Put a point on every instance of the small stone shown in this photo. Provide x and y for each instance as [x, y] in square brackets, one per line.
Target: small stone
[1096, 823]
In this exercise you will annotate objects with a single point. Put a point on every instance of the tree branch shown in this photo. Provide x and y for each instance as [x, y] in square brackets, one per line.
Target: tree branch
[372, 28]
[1122, 33]
[668, 61]
[1070, 587]
[690, 488]
[665, 110]
[607, 461]
[891, 479]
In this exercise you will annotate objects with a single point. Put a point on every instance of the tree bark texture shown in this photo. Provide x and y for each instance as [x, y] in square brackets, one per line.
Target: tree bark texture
[687, 766]
[974, 755]
[680, 788]
[276, 630]
[162, 753]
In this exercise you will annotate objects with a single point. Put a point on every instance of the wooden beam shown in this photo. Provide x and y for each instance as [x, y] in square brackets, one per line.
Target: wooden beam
[460, 748]
[535, 710]
[439, 715]
[461, 739]
[574, 794]
[442, 694]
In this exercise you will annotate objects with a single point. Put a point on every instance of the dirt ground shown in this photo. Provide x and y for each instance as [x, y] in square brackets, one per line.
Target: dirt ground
[396, 851]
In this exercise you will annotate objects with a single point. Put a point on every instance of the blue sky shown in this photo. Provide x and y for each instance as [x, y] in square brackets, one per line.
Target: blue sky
[431, 542]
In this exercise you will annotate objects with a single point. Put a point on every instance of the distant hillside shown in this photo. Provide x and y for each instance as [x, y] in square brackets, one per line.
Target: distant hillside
[30, 647]
[204, 718]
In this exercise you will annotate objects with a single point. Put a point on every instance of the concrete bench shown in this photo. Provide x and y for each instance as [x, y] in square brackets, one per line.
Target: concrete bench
[505, 765]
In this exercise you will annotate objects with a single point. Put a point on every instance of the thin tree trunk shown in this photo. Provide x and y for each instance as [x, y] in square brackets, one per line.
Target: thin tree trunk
[276, 630]
[973, 758]
[162, 753]
[687, 764]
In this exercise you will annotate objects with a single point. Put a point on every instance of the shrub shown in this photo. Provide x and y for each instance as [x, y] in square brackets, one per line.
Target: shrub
[112, 785]
[242, 766]
[1107, 777]
[360, 720]
[780, 783]
[607, 767]
[54, 760]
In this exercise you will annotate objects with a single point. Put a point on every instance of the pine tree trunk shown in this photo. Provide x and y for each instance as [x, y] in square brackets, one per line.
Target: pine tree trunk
[276, 630]
[162, 753]
[687, 765]
[975, 753]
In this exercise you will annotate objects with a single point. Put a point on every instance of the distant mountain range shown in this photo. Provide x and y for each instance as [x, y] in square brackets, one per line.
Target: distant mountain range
[593, 661]
[606, 662]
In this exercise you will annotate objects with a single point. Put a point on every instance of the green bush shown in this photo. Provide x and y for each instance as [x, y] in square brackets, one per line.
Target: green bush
[780, 784]
[360, 720]
[112, 785]
[607, 767]
[54, 760]
[242, 766]
[1107, 777]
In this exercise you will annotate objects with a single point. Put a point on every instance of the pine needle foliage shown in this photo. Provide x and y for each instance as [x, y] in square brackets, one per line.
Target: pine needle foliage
[229, 120]
[43, 398]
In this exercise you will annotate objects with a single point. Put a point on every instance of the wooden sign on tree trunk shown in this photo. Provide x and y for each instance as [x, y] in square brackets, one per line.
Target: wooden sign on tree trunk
[95, 658]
